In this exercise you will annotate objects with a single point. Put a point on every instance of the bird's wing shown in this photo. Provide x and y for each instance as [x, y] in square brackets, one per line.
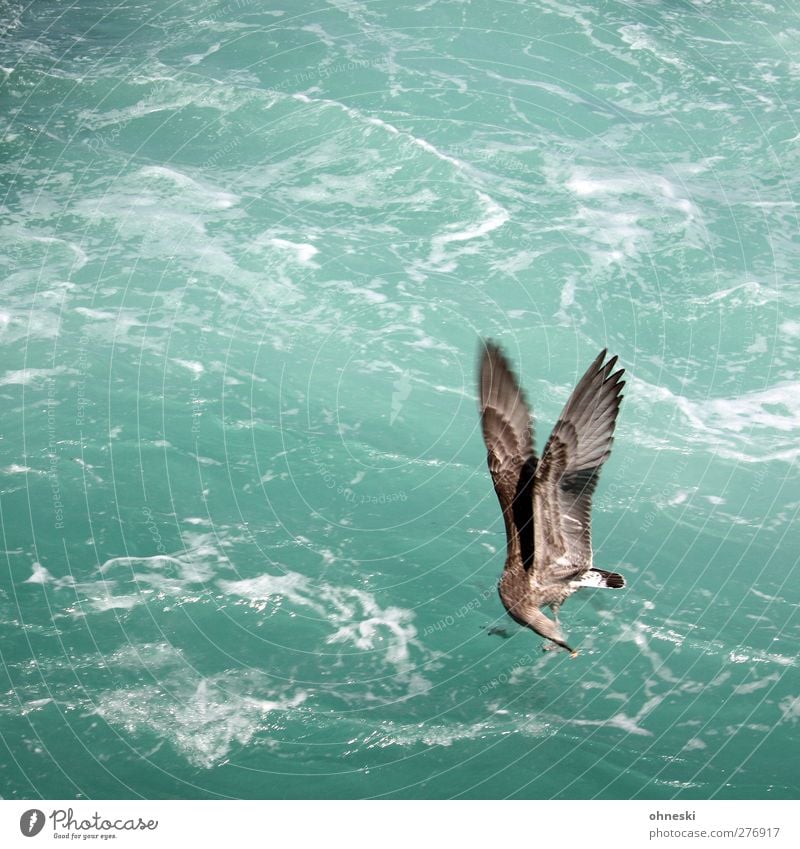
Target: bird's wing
[508, 434]
[570, 466]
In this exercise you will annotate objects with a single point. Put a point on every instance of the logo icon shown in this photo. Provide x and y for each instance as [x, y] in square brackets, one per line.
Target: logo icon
[31, 822]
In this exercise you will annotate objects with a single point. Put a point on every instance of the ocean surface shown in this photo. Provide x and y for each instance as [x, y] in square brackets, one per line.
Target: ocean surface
[250, 545]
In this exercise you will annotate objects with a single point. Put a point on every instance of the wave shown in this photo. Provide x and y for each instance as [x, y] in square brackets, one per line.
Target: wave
[352, 618]
[754, 427]
[202, 718]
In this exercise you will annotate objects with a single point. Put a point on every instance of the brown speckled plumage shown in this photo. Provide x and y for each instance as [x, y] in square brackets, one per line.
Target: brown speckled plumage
[547, 503]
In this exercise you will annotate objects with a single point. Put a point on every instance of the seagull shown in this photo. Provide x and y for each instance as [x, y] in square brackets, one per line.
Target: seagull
[547, 502]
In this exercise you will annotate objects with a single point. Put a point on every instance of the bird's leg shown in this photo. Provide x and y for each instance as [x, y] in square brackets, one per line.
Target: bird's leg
[549, 645]
[554, 608]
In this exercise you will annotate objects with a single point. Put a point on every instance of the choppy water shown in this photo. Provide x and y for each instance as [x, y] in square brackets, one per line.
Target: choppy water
[250, 542]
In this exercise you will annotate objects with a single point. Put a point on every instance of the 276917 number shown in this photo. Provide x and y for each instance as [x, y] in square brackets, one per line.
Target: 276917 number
[761, 831]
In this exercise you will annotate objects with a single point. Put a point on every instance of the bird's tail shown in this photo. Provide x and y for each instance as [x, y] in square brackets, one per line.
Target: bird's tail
[600, 579]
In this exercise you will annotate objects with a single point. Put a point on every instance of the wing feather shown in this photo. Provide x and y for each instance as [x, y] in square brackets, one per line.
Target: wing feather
[569, 469]
[508, 433]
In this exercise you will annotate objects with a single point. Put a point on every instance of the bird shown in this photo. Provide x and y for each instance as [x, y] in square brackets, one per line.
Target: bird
[547, 501]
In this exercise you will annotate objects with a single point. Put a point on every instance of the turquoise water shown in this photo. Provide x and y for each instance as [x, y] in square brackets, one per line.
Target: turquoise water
[250, 544]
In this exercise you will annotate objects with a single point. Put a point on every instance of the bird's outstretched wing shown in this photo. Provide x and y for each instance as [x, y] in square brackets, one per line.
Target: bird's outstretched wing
[508, 434]
[570, 466]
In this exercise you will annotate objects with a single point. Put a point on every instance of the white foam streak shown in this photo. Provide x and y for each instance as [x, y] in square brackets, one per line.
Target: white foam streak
[28, 376]
[354, 614]
[202, 718]
[40, 575]
[617, 208]
[266, 589]
[196, 368]
[494, 216]
[790, 708]
[303, 253]
[213, 198]
[746, 428]
[80, 255]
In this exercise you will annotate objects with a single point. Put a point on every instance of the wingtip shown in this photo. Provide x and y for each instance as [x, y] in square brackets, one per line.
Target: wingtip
[489, 350]
[487, 344]
[600, 358]
[608, 367]
[485, 349]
